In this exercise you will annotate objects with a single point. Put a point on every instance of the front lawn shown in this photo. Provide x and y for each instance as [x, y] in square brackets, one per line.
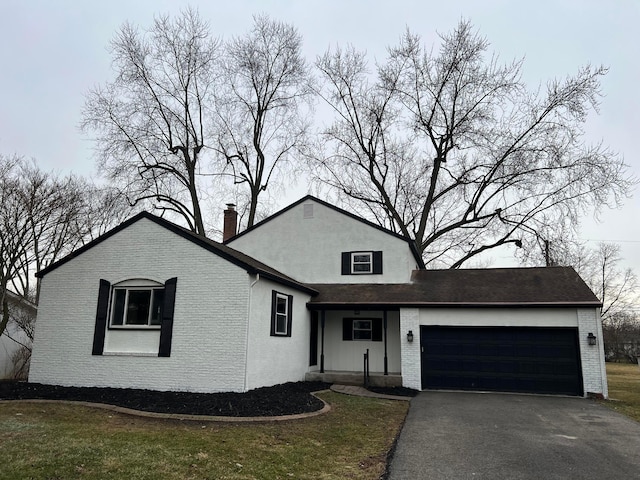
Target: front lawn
[624, 388]
[52, 441]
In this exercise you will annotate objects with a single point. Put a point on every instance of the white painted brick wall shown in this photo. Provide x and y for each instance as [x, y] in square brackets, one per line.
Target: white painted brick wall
[210, 324]
[594, 374]
[410, 351]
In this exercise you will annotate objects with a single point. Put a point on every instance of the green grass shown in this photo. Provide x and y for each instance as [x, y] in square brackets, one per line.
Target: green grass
[624, 389]
[53, 441]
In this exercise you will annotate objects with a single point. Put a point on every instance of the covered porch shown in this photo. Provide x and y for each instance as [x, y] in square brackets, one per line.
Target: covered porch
[351, 338]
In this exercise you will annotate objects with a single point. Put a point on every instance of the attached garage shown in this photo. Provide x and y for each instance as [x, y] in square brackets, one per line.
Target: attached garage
[506, 359]
[526, 330]
[533, 330]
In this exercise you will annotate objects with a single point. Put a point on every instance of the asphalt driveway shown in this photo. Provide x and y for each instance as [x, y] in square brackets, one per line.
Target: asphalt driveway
[500, 436]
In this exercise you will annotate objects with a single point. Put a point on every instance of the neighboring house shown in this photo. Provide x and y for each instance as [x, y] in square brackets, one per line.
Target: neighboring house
[15, 342]
[301, 295]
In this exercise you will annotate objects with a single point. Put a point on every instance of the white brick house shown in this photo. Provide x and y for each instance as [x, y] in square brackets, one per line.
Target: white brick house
[304, 294]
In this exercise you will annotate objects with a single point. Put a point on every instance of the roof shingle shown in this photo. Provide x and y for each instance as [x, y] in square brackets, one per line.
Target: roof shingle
[548, 286]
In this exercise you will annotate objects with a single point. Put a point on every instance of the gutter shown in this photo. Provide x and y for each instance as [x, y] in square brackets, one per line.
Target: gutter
[369, 305]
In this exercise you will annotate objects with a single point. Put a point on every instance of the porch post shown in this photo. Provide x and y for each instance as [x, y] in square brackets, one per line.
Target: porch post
[384, 326]
[322, 318]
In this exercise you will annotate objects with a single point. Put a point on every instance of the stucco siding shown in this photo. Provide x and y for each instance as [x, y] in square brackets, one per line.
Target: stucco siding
[210, 318]
[272, 360]
[308, 247]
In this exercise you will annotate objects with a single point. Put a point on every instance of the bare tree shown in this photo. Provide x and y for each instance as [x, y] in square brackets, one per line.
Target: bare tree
[615, 286]
[259, 117]
[453, 150]
[102, 208]
[151, 121]
[621, 334]
[44, 217]
[19, 332]
[35, 227]
[15, 237]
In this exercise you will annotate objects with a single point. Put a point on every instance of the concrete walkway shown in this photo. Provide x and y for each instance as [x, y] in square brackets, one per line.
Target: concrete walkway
[363, 392]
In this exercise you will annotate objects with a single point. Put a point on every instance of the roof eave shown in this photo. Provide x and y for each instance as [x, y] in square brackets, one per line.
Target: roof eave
[368, 305]
[200, 241]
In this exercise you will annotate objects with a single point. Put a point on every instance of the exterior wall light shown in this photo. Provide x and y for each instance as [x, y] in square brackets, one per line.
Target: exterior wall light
[591, 338]
[410, 336]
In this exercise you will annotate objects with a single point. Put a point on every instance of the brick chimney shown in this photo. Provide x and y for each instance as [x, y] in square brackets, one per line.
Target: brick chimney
[230, 222]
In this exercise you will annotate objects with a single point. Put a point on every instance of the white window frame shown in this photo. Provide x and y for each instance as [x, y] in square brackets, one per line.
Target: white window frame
[354, 263]
[128, 289]
[354, 329]
[278, 315]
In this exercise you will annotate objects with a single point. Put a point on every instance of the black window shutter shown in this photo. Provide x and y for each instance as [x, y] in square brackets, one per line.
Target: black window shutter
[347, 329]
[377, 262]
[273, 312]
[166, 327]
[102, 312]
[346, 263]
[289, 313]
[376, 329]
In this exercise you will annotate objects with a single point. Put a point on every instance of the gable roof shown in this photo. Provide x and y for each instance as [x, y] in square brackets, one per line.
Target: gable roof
[499, 287]
[412, 245]
[246, 262]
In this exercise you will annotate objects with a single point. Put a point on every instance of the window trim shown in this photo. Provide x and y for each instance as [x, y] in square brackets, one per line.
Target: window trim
[127, 288]
[353, 263]
[103, 312]
[354, 329]
[377, 334]
[275, 296]
[375, 262]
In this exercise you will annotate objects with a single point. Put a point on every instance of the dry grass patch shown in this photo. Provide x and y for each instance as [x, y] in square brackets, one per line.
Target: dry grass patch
[624, 389]
[52, 441]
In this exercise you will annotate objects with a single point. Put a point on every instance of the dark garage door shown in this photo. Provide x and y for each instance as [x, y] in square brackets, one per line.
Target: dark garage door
[505, 359]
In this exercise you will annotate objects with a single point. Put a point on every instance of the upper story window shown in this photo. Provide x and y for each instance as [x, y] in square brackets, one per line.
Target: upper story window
[137, 305]
[362, 263]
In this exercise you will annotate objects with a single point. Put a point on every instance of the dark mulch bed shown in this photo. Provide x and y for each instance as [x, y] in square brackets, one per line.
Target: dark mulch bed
[285, 399]
[400, 391]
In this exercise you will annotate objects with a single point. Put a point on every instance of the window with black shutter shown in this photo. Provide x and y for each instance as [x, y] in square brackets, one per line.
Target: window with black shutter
[369, 329]
[361, 263]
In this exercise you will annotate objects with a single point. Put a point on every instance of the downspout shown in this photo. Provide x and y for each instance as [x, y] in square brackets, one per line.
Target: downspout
[246, 344]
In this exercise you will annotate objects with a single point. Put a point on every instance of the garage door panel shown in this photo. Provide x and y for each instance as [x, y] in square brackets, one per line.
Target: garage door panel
[518, 359]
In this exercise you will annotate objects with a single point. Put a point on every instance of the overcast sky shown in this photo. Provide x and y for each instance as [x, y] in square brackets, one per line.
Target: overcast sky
[53, 51]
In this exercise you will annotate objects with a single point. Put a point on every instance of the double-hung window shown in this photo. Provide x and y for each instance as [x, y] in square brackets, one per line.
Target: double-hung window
[361, 329]
[281, 305]
[362, 262]
[368, 329]
[139, 307]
